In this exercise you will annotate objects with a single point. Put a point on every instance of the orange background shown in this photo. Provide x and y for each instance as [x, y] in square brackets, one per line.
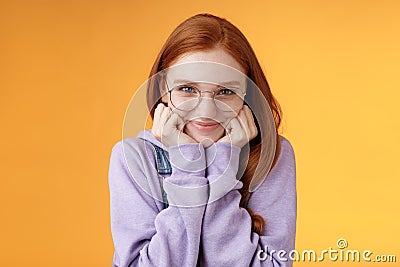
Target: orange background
[70, 68]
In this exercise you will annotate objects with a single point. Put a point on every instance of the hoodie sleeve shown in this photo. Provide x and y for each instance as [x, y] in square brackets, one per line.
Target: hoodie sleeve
[227, 237]
[142, 234]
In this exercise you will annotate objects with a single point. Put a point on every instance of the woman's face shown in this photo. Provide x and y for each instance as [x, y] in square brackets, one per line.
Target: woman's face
[206, 121]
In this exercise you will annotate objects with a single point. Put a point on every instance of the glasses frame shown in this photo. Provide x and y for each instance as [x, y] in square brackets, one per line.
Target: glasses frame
[200, 96]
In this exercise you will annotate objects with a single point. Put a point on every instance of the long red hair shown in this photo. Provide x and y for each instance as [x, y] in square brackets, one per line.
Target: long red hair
[205, 32]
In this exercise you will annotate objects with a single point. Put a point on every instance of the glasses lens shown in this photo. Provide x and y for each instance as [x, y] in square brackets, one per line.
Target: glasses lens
[228, 99]
[185, 98]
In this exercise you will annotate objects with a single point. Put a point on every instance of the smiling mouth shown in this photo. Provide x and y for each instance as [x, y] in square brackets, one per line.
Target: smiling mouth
[204, 126]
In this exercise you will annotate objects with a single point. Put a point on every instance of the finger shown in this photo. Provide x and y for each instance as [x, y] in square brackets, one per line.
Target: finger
[181, 122]
[172, 122]
[178, 121]
[157, 114]
[249, 114]
[251, 128]
[227, 126]
[243, 122]
[251, 123]
[164, 117]
[156, 120]
[242, 117]
[235, 126]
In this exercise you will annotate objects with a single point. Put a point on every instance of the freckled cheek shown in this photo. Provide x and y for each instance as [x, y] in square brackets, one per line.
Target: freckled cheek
[182, 114]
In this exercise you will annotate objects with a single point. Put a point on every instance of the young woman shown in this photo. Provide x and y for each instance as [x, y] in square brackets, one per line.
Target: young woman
[222, 199]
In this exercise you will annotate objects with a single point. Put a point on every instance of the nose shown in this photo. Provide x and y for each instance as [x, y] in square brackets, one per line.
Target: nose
[210, 94]
[207, 107]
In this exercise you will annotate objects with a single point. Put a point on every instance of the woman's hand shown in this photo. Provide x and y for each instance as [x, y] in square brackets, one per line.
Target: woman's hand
[241, 129]
[168, 127]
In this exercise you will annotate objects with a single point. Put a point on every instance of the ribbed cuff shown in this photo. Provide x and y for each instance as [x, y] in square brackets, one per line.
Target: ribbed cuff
[222, 159]
[222, 167]
[187, 159]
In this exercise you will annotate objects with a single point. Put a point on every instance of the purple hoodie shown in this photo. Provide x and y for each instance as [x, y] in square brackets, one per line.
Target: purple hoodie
[191, 232]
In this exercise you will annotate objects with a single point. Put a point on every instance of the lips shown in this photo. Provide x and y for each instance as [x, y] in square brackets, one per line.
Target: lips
[204, 126]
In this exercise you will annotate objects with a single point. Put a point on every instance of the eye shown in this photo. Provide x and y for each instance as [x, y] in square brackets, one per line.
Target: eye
[225, 91]
[186, 89]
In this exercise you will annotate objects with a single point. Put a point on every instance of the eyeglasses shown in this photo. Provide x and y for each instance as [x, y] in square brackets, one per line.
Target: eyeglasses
[187, 97]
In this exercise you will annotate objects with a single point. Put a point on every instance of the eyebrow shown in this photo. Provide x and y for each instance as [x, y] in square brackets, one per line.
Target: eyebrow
[230, 83]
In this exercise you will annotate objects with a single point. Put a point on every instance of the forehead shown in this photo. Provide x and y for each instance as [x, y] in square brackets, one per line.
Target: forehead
[212, 66]
[217, 55]
[205, 72]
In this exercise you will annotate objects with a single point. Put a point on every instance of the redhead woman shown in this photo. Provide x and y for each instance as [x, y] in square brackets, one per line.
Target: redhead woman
[212, 183]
